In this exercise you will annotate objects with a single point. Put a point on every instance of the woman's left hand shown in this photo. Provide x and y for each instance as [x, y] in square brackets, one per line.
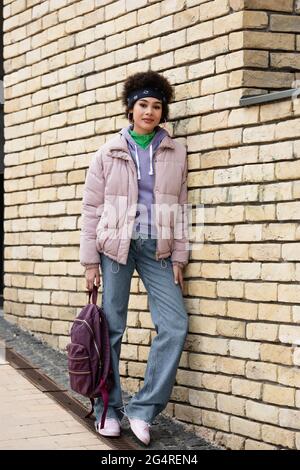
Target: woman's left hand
[178, 275]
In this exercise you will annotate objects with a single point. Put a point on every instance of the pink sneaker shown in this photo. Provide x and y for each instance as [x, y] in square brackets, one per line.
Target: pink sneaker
[111, 428]
[141, 429]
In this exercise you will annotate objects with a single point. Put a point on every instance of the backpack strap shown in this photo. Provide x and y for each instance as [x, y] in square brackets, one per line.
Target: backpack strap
[106, 344]
[105, 398]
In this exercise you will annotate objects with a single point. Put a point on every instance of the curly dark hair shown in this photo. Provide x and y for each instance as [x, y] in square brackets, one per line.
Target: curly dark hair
[147, 79]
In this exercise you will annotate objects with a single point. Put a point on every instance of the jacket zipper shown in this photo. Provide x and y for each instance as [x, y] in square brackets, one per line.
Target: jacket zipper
[154, 159]
[156, 252]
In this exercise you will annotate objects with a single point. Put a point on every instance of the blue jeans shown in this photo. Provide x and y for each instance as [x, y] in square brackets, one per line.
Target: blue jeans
[169, 317]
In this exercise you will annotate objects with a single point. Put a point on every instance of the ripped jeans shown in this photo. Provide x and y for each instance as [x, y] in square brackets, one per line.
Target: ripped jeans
[169, 317]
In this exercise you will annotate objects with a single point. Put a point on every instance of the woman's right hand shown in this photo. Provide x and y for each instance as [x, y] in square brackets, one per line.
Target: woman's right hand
[92, 276]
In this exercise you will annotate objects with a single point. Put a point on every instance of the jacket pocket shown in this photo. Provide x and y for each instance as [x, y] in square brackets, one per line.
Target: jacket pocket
[102, 237]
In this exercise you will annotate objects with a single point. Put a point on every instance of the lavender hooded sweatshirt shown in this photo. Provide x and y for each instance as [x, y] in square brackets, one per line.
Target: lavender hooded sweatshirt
[143, 159]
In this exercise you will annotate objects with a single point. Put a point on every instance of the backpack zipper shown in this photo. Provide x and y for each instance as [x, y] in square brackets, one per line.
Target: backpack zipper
[78, 359]
[79, 372]
[86, 323]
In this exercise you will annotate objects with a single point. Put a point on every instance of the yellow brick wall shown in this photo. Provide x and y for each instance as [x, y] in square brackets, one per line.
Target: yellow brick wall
[65, 62]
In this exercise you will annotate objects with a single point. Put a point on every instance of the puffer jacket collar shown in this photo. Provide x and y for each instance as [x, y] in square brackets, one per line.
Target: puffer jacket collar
[119, 144]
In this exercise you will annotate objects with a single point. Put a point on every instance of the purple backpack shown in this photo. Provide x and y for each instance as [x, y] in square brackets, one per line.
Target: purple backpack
[89, 363]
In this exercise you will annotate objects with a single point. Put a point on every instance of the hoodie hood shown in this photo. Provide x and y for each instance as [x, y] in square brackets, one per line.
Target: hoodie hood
[133, 146]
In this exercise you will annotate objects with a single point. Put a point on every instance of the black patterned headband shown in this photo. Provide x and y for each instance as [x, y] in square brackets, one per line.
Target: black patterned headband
[143, 92]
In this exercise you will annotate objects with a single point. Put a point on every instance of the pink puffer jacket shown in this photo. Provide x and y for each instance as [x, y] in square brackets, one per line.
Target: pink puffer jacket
[110, 201]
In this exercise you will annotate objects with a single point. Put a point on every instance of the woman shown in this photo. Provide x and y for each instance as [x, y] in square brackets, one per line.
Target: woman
[134, 217]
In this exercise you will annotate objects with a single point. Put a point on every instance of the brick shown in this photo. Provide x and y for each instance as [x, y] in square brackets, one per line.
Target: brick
[283, 60]
[199, 178]
[244, 310]
[230, 328]
[283, 396]
[245, 427]
[262, 331]
[212, 307]
[231, 366]
[213, 9]
[231, 404]
[202, 362]
[60, 327]
[201, 69]
[243, 116]
[262, 412]
[263, 291]
[202, 325]
[288, 293]
[129, 351]
[246, 349]
[296, 313]
[228, 175]
[186, 18]
[277, 151]
[261, 40]
[202, 399]
[287, 129]
[285, 23]
[275, 312]
[280, 5]
[250, 444]
[242, 155]
[139, 336]
[184, 54]
[214, 47]
[228, 138]
[137, 302]
[275, 435]
[161, 26]
[230, 289]
[213, 85]
[245, 270]
[289, 418]
[171, 41]
[274, 79]
[289, 376]
[275, 272]
[261, 371]
[240, 20]
[202, 286]
[289, 334]
[259, 134]
[227, 99]
[215, 420]
[243, 193]
[213, 345]
[277, 232]
[216, 382]
[246, 233]
[199, 32]
[229, 441]
[214, 196]
[246, 388]
[148, 48]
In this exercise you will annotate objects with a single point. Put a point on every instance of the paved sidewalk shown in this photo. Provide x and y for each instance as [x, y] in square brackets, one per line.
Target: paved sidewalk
[32, 420]
[166, 433]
